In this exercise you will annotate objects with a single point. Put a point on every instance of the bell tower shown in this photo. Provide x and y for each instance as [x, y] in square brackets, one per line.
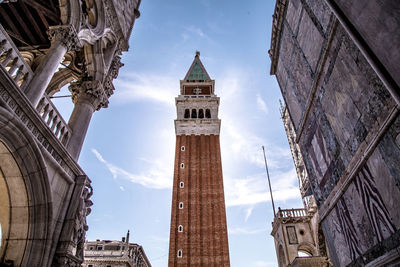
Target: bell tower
[198, 234]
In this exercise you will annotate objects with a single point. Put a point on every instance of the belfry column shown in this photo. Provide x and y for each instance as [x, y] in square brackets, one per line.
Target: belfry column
[63, 39]
[88, 96]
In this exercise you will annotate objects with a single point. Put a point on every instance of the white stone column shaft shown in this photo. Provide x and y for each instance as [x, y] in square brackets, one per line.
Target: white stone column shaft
[63, 38]
[87, 97]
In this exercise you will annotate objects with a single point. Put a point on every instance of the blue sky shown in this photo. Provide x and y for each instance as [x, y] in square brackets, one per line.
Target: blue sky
[129, 149]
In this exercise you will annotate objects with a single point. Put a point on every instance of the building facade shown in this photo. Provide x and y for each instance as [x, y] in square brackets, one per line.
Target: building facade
[198, 234]
[298, 236]
[336, 63]
[44, 194]
[114, 253]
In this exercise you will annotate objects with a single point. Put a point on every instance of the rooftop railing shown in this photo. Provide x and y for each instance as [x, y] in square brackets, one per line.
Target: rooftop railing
[292, 213]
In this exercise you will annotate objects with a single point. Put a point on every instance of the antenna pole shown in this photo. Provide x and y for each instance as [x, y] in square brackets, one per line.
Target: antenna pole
[269, 182]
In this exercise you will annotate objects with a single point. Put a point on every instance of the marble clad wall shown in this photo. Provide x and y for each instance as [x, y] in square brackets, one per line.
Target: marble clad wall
[347, 125]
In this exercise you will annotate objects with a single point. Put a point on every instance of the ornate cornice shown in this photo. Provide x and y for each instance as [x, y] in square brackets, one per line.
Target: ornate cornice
[277, 22]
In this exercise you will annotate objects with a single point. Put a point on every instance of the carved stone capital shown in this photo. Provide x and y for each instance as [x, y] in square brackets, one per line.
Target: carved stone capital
[89, 91]
[66, 35]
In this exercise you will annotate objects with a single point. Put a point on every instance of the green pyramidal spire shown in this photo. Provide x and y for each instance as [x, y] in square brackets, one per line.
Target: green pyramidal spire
[197, 71]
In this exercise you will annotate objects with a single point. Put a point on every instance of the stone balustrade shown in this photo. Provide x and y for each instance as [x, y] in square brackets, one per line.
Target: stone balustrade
[292, 213]
[20, 72]
[105, 253]
[53, 119]
[12, 61]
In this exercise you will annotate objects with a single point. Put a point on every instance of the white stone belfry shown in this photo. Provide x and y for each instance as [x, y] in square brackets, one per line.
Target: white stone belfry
[197, 105]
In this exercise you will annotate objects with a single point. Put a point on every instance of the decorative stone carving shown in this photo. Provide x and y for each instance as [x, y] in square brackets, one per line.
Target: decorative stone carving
[90, 91]
[81, 226]
[116, 64]
[197, 127]
[66, 35]
[120, 17]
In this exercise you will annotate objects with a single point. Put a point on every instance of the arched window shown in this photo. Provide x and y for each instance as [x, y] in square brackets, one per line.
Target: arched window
[180, 253]
[180, 228]
[182, 165]
[201, 113]
[194, 114]
[181, 185]
[180, 205]
[187, 113]
[208, 114]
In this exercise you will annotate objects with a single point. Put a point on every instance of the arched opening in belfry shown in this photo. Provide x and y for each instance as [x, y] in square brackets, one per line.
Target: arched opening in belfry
[201, 113]
[14, 226]
[187, 114]
[208, 114]
[194, 114]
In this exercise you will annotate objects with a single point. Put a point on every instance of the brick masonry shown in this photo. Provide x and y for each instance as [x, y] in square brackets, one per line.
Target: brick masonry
[204, 240]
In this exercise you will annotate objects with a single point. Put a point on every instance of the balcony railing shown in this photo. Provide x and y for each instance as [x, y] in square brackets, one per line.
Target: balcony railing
[19, 71]
[53, 119]
[292, 213]
[12, 61]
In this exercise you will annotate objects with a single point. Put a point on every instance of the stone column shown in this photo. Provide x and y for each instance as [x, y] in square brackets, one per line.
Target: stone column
[63, 38]
[88, 96]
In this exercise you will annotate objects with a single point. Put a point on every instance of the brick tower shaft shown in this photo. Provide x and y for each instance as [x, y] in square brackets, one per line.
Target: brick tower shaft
[198, 234]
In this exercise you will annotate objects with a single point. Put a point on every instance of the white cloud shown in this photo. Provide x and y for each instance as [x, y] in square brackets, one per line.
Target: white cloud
[244, 231]
[248, 213]
[156, 177]
[254, 190]
[261, 104]
[146, 87]
[122, 188]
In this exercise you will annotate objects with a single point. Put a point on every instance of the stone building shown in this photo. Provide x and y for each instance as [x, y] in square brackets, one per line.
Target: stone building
[198, 233]
[299, 240]
[114, 253]
[336, 63]
[44, 194]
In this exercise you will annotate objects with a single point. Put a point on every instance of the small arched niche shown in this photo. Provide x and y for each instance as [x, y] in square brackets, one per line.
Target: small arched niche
[281, 257]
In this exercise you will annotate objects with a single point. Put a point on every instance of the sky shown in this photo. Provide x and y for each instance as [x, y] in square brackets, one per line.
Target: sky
[129, 148]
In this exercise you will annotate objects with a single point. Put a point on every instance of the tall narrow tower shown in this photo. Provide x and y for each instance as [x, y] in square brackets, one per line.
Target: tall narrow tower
[198, 235]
